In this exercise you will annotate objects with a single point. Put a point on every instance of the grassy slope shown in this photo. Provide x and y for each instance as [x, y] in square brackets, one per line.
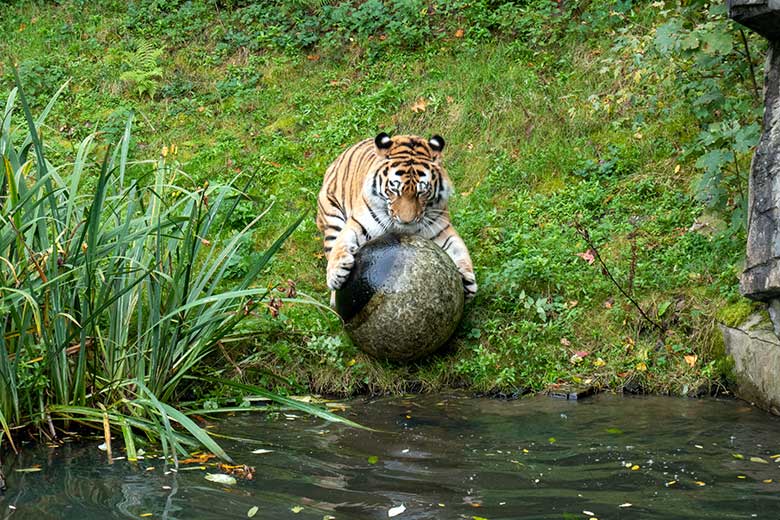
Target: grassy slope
[538, 137]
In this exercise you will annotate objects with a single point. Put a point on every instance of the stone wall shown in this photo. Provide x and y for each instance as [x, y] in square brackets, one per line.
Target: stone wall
[761, 277]
[755, 344]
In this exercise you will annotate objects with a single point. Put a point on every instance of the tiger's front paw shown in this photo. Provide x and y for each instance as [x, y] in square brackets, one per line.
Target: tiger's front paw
[469, 284]
[338, 270]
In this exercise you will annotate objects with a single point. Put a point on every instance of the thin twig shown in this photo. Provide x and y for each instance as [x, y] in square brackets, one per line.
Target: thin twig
[586, 236]
[750, 62]
[230, 360]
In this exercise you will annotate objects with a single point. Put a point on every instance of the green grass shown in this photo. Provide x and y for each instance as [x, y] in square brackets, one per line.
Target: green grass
[586, 117]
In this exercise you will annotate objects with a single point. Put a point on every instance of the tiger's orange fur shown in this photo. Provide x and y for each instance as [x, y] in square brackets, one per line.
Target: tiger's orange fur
[382, 185]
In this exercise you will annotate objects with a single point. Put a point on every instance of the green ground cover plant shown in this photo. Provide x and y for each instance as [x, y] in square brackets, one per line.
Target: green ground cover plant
[632, 121]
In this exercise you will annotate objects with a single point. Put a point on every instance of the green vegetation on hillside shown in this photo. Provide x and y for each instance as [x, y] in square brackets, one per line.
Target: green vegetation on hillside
[630, 122]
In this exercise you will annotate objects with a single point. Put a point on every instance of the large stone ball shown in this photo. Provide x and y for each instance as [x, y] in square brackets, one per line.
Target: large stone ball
[402, 299]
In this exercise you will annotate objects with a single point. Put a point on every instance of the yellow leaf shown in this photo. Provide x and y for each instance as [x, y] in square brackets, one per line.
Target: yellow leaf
[599, 362]
[164, 151]
[420, 105]
[741, 477]
[677, 169]
[767, 481]
[700, 483]
[634, 467]
[296, 509]
[759, 460]
[641, 366]
[459, 33]
[691, 359]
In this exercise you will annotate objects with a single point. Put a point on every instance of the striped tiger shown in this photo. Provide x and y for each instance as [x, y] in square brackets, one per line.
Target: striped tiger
[382, 185]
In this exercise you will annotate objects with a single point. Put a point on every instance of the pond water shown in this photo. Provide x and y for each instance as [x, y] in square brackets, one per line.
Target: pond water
[443, 457]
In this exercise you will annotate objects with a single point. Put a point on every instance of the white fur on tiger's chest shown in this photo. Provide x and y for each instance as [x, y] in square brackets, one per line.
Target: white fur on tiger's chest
[377, 220]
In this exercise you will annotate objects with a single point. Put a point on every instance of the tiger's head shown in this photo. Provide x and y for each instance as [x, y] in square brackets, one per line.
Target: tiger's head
[410, 177]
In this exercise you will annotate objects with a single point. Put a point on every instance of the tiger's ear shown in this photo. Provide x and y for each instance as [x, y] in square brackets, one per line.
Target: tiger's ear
[382, 143]
[437, 145]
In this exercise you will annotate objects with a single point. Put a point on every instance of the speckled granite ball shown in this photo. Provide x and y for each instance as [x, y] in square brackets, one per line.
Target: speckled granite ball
[403, 298]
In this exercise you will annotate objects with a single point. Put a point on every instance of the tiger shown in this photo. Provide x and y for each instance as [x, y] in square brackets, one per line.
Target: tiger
[388, 185]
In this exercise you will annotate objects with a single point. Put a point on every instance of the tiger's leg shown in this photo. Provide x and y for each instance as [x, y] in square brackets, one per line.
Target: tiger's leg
[341, 256]
[449, 240]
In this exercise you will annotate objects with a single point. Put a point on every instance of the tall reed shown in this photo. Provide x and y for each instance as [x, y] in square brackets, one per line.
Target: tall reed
[110, 297]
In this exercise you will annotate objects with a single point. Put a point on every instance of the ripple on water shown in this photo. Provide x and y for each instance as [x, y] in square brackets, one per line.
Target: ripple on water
[445, 456]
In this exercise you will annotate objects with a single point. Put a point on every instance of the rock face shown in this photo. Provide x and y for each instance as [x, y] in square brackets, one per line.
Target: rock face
[755, 348]
[761, 277]
[763, 16]
[403, 298]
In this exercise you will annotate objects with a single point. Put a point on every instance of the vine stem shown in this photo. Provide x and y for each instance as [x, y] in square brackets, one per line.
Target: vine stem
[586, 236]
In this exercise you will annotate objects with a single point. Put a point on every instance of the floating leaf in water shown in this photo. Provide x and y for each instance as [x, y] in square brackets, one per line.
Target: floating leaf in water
[252, 511]
[738, 456]
[741, 476]
[627, 504]
[635, 467]
[700, 483]
[28, 470]
[614, 431]
[776, 456]
[671, 483]
[198, 458]
[221, 478]
[395, 511]
[552, 440]
[373, 459]
[144, 515]
[758, 460]
[478, 518]
[588, 513]
[261, 451]
[296, 509]
[328, 517]
[340, 407]
[767, 481]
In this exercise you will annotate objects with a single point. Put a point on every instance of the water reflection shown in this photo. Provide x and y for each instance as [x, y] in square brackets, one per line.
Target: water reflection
[444, 456]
